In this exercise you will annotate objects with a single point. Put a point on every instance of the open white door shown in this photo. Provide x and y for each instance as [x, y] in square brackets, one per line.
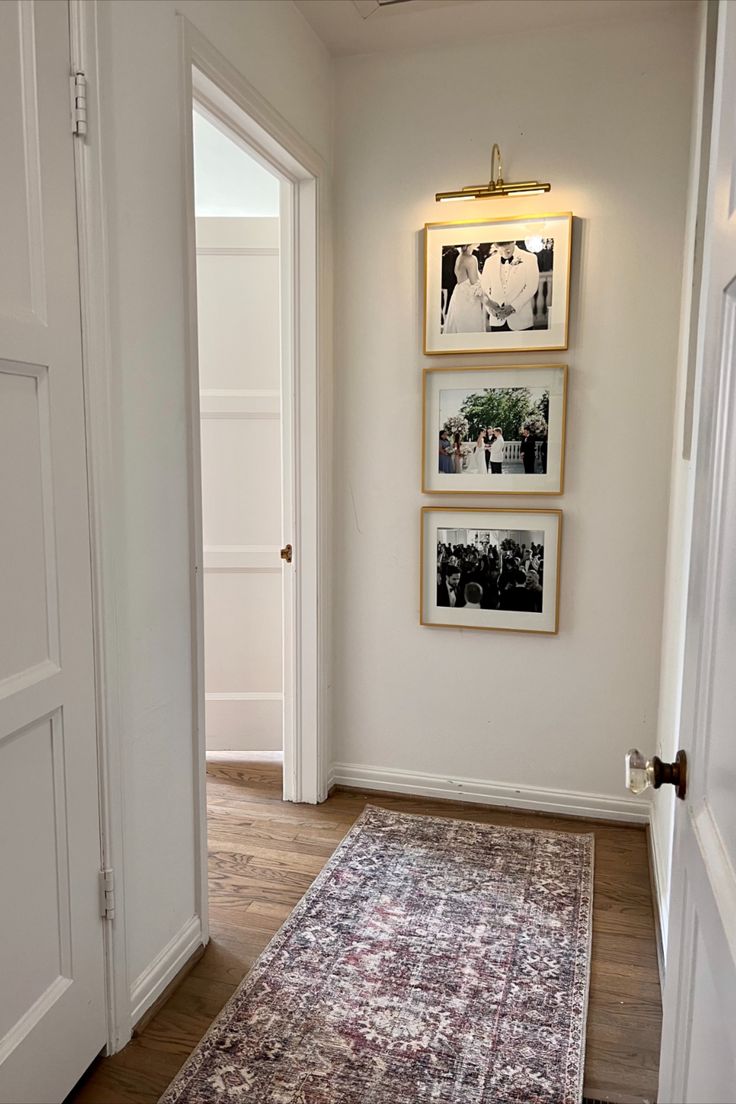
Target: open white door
[52, 1006]
[698, 1063]
[240, 442]
[293, 764]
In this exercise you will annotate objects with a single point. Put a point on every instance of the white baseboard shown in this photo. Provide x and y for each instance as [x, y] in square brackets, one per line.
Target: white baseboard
[218, 755]
[164, 968]
[565, 802]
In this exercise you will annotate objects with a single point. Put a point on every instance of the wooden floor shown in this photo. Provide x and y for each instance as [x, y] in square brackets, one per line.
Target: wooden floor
[263, 856]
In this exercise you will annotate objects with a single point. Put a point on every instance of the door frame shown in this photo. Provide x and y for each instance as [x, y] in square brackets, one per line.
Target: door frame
[104, 494]
[209, 79]
[305, 758]
[226, 96]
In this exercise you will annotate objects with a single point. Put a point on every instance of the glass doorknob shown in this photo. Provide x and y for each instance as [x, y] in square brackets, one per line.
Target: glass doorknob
[641, 773]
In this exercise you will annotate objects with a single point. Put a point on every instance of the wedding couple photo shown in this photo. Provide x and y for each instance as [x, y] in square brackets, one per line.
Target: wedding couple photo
[492, 432]
[508, 289]
[497, 286]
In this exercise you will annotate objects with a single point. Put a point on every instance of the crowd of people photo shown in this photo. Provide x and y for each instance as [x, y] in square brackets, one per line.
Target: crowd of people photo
[490, 569]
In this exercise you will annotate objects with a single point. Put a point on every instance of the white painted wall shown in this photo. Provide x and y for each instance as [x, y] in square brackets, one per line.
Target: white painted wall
[604, 114]
[143, 119]
[240, 441]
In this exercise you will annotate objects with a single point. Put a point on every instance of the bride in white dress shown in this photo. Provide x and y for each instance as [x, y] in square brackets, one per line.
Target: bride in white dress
[465, 313]
[480, 454]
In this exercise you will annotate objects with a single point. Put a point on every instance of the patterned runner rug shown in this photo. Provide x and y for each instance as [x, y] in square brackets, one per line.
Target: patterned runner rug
[432, 960]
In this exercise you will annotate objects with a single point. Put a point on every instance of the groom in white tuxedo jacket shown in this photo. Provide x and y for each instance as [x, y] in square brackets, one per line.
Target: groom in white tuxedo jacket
[510, 279]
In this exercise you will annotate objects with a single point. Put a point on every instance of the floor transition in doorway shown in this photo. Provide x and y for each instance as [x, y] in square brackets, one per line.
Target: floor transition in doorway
[263, 856]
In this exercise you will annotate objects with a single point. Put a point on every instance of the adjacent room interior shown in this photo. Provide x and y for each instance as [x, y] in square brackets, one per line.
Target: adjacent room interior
[237, 203]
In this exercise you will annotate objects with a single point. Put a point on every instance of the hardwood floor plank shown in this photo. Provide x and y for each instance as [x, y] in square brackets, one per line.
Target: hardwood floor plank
[264, 855]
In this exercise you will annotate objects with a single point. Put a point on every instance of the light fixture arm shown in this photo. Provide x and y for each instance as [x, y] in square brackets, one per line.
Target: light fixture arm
[496, 181]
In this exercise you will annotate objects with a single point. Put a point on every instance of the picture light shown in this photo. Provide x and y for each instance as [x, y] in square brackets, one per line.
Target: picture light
[496, 186]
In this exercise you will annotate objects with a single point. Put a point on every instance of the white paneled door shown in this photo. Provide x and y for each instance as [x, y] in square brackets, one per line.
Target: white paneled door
[238, 294]
[52, 1001]
[698, 1063]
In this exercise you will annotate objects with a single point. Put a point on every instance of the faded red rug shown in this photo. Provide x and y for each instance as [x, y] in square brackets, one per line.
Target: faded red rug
[433, 960]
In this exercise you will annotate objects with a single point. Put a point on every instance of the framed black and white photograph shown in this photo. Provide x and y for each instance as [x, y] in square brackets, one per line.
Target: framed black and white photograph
[491, 569]
[494, 430]
[497, 285]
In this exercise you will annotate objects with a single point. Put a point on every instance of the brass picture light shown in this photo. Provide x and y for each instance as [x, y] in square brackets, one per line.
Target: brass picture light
[496, 186]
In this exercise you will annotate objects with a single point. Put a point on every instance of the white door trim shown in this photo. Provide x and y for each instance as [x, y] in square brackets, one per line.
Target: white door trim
[226, 96]
[104, 494]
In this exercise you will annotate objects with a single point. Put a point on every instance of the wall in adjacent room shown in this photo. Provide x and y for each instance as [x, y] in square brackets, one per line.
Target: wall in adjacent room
[240, 443]
[143, 118]
[605, 115]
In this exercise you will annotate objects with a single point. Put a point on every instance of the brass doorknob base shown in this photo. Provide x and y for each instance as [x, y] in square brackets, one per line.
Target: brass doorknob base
[671, 774]
[287, 553]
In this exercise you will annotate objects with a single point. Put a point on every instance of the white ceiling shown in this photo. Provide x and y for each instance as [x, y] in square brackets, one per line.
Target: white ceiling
[227, 182]
[345, 28]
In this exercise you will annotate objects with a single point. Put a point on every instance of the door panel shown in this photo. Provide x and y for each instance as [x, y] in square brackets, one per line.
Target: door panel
[707, 1080]
[241, 478]
[22, 284]
[720, 780]
[243, 630]
[229, 716]
[28, 580]
[39, 870]
[52, 1009]
[238, 293]
[699, 1059]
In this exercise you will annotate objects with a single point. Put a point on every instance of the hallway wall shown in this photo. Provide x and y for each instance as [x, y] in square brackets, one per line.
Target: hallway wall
[604, 114]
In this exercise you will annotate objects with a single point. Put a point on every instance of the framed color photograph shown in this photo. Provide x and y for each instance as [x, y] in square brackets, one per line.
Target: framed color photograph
[497, 285]
[494, 430]
[491, 569]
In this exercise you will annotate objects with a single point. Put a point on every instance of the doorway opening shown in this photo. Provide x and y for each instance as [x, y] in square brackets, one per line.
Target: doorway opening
[237, 202]
[254, 287]
[253, 229]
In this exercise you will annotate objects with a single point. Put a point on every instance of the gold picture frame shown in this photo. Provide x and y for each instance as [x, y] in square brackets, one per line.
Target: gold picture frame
[510, 608]
[442, 388]
[547, 307]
